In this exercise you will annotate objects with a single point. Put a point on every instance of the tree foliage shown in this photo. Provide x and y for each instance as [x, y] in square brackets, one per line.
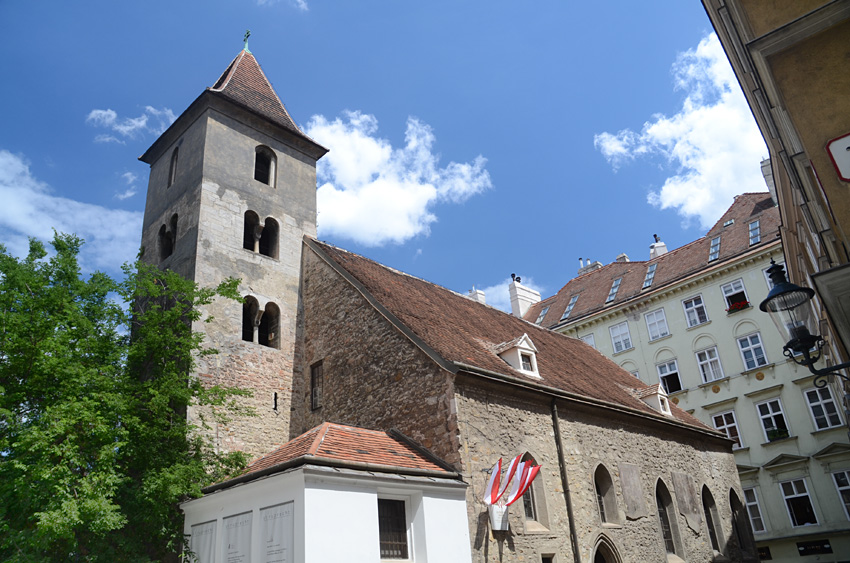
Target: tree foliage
[95, 447]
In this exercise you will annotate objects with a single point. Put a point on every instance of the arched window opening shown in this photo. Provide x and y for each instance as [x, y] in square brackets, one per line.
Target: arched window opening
[250, 310]
[269, 238]
[534, 501]
[605, 552]
[666, 517]
[605, 496]
[166, 245]
[268, 333]
[741, 525]
[712, 520]
[172, 170]
[265, 164]
[252, 232]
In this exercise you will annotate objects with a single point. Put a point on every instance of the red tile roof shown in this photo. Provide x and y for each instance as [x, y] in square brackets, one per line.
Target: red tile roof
[245, 84]
[468, 333]
[346, 445]
[593, 287]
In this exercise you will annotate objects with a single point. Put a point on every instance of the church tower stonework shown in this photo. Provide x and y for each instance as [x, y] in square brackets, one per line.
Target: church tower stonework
[232, 192]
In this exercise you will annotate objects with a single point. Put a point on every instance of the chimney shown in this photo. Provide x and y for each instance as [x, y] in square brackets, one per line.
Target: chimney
[521, 297]
[476, 295]
[622, 257]
[657, 248]
[589, 267]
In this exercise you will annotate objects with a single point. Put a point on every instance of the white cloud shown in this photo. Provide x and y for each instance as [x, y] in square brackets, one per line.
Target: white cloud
[498, 295]
[131, 190]
[375, 194]
[712, 142]
[300, 4]
[152, 120]
[31, 210]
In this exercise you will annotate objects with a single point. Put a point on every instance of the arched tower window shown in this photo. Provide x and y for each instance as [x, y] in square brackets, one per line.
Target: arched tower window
[269, 238]
[605, 552]
[666, 517]
[252, 232]
[268, 333]
[250, 311]
[712, 520]
[172, 170]
[605, 496]
[167, 238]
[265, 164]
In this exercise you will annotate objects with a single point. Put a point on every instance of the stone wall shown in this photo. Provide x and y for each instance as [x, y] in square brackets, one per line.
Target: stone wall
[499, 422]
[374, 376]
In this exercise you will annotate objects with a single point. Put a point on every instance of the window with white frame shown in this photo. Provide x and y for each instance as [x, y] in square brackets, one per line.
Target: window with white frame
[650, 275]
[754, 510]
[842, 483]
[714, 251]
[752, 351]
[695, 311]
[656, 322]
[570, 306]
[668, 375]
[822, 407]
[755, 232]
[615, 287]
[772, 420]
[588, 339]
[620, 337]
[709, 364]
[735, 295]
[798, 503]
[542, 314]
[728, 424]
[392, 529]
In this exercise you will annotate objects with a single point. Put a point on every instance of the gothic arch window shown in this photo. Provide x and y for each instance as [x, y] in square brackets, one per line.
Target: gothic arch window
[667, 519]
[605, 552]
[268, 333]
[269, 238]
[741, 526]
[250, 310]
[172, 169]
[265, 165]
[712, 519]
[606, 498]
[534, 502]
[167, 237]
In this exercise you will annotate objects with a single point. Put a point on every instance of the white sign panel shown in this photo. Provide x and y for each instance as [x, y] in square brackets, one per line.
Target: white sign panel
[237, 538]
[278, 533]
[839, 152]
[202, 543]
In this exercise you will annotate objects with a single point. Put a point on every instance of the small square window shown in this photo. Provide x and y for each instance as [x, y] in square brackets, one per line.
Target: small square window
[822, 408]
[656, 323]
[588, 339]
[726, 423]
[709, 364]
[773, 420]
[735, 295]
[527, 364]
[752, 351]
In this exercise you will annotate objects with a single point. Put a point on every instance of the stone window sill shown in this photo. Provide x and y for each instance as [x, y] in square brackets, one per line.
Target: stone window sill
[724, 379]
[611, 526]
[780, 441]
[700, 325]
[665, 337]
[757, 369]
[535, 527]
[623, 351]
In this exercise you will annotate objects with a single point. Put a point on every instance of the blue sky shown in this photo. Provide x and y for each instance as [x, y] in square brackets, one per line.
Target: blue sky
[468, 139]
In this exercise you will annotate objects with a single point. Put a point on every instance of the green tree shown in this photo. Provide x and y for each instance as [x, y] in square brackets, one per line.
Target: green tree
[95, 447]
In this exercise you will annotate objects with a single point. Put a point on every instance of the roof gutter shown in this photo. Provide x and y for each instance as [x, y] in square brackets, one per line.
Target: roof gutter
[329, 462]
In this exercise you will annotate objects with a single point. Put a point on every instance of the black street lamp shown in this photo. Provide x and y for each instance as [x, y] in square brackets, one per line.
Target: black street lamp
[788, 306]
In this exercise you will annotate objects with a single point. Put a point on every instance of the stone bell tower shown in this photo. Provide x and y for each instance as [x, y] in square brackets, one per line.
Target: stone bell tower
[232, 192]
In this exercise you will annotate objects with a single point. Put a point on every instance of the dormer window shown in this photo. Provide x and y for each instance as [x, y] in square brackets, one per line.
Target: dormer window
[520, 354]
[755, 232]
[729, 222]
[650, 275]
[714, 251]
[615, 287]
[542, 314]
[656, 397]
[572, 304]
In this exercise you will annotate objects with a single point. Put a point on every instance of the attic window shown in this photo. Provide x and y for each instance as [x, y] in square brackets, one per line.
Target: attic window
[665, 406]
[526, 362]
[615, 287]
[542, 314]
[755, 232]
[650, 275]
[714, 251]
[729, 222]
[520, 354]
[572, 304]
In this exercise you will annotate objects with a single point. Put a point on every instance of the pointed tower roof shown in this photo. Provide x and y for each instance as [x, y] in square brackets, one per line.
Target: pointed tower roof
[245, 84]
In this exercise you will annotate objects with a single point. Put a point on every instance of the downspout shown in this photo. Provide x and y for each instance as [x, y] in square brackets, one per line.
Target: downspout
[564, 483]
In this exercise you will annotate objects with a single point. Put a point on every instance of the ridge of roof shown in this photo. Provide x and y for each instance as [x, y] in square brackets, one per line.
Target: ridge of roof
[464, 333]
